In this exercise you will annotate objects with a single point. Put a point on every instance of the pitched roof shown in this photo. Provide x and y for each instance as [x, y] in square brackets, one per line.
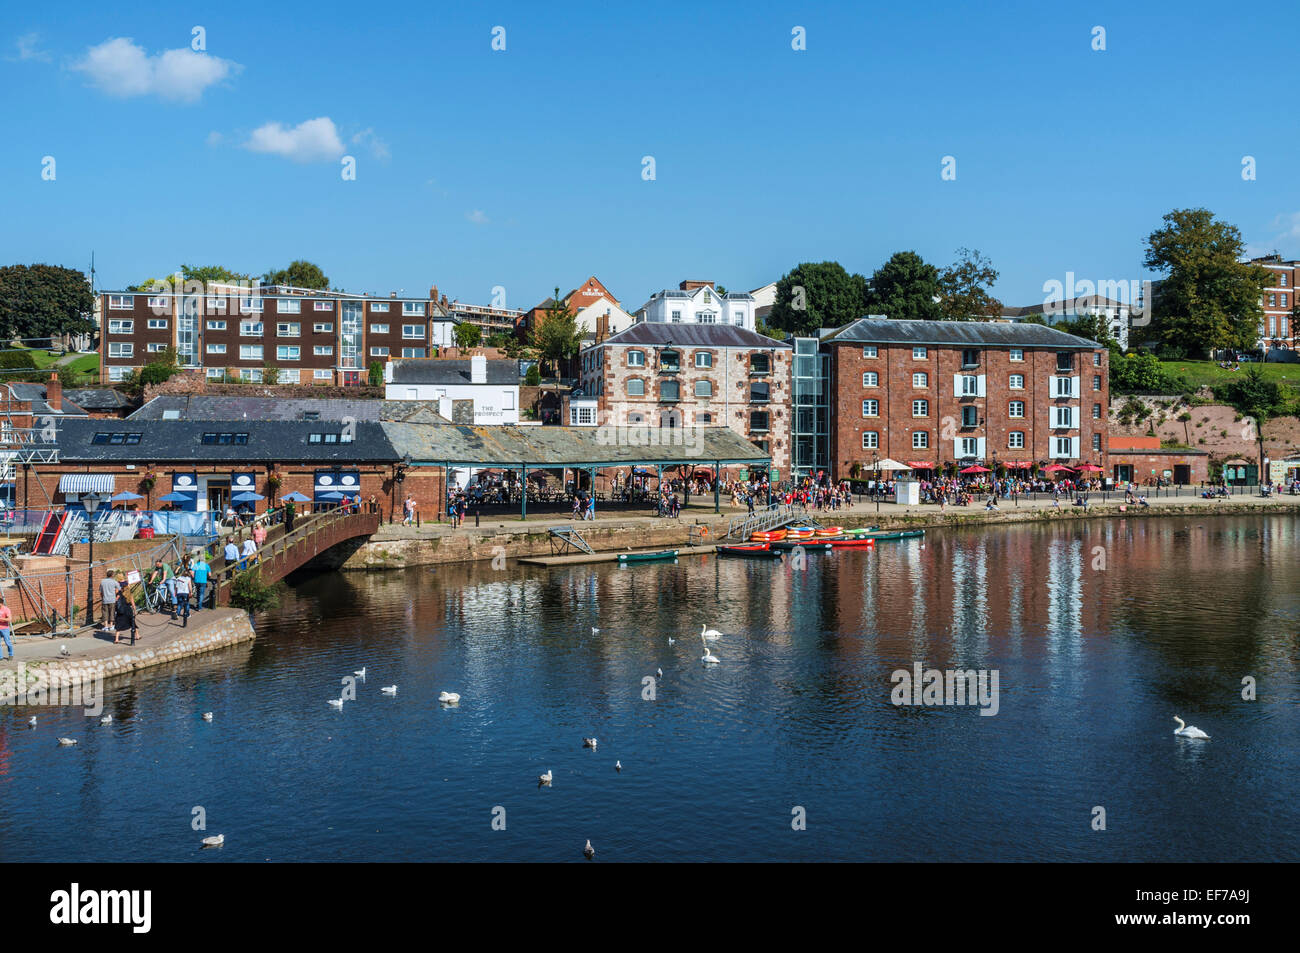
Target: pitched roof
[35, 394]
[214, 407]
[879, 330]
[97, 398]
[656, 334]
[437, 371]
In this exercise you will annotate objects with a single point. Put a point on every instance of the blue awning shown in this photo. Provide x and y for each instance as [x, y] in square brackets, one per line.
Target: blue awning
[86, 483]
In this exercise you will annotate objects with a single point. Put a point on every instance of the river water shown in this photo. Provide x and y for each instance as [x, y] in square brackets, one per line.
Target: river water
[1099, 632]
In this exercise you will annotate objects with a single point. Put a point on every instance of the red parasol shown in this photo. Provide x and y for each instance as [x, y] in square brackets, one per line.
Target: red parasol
[976, 469]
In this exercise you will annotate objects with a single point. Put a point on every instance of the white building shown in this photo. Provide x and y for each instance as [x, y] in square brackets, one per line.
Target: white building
[1116, 314]
[764, 299]
[493, 386]
[698, 302]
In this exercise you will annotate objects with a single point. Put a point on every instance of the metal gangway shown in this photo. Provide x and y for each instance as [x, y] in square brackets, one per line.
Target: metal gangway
[568, 537]
[776, 515]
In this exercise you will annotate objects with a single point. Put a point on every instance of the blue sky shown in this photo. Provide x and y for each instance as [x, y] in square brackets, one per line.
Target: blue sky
[522, 168]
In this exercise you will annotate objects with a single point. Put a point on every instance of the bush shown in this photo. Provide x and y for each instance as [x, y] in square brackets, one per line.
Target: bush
[249, 592]
[533, 377]
[156, 373]
[14, 360]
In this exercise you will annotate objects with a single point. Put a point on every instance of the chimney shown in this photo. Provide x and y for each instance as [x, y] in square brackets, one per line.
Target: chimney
[433, 294]
[444, 301]
[478, 369]
[602, 327]
[54, 392]
[392, 294]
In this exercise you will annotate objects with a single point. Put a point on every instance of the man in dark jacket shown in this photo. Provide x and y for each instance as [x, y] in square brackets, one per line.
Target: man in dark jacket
[123, 618]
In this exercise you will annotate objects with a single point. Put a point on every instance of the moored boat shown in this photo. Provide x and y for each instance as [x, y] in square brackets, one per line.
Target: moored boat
[810, 546]
[647, 557]
[768, 536]
[751, 551]
[827, 532]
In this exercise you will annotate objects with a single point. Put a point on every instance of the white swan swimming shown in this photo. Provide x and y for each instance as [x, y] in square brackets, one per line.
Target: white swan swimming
[67, 741]
[389, 690]
[708, 656]
[589, 742]
[449, 698]
[659, 673]
[31, 722]
[106, 720]
[216, 841]
[544, 778]
[207, 716]
[618, 765]
[671, 640]
[1185, 730]
[594, 630]
[336, 702]
[589, 851]
[710, 633]
[360, 673]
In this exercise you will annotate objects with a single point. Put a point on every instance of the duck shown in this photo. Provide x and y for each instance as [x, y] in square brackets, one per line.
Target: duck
[544, 778]
[1185, 730]
[589, 852]
[63, 650]
[659, 672]
[589, 742]
[336, 702]
[389, 690]
[449, 698]
[215, 841]
[594, 630]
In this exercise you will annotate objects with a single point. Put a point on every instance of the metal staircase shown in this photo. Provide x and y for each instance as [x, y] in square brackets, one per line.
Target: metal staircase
[567, 537]
[778, 514]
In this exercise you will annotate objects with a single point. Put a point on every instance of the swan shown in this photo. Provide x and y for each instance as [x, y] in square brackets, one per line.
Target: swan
[594, 630]
[710, 633]
[106, 720]
[207, 716]
[449, 698]
[618, 765]
[1188, 731]
[708, 656]
[360, 673]
[216, 841]
[659, 673]
[589, 851]
[336, 702]
[31, 722]
[671, 640]
[589, 742]
[67, 741]
[544, 778]
[390, 690]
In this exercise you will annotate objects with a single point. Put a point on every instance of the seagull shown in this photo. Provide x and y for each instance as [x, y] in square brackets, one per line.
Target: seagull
[67, 741]
[618, 765]
[449, 698]
[390, 690]
[361, 673]
[671, 640]
[336, 702]
[31, 722]
[659, 672]
[589, 852]
[710, 634]
[708, 656]
[216, 841]
[63, 650]
[589, 742]
[1185, 730]
[543, 779]
[207, 716]
[594, 630]
[106, 720]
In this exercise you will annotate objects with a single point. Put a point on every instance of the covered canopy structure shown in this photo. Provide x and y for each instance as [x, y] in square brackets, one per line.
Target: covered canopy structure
[526, 448]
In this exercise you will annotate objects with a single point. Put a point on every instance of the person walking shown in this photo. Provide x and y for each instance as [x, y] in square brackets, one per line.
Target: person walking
[231, 552]
[108, 587]
[160, 579]
[200, 570]
[290, 511]
[250, 551]
[183, 588]
[6, 626]
[123, 618]
[259, 534]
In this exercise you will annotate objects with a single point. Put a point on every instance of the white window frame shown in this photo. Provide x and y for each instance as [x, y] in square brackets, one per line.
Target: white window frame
[920, 440]
[214, 349]
[323, 327]
[1016, 354]
[322, 374]
[870, 351]
[288, 352]
[323, 350]
[704, 383]
[921, 379]
[920, 408]
[246, 352]
[968, 447]
[120, 349]
[1016, 440]
[870, 379]
[1016, 409]
[379, 352]
[157, 324]
[379, 307]
[413, 309]
[121, 326]
[412, 332]
[874, 408]
[636, 358]
[288, 306]
[703, 359]
[216, 325]
[251, 305]
[920, 353]
[121, 302]
[251, 329]
[322, 305]
[119, 373]
[870, 440]
[378, 329]
[1016, 382]
[216, 372]
[290, 375]
[288, 329]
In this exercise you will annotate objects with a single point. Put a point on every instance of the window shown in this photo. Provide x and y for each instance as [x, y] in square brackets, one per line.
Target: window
[704, 388]
[1064, 361]
[1063, 387]
[677, 317]
[216, 325]
[707, 317]
[116, 438]
[582, 416]
[920, 408]
[323, 350]
[1096, 358]
[157, 324]
[970, 357]
[636, 388]
[1096, 382]
[1096, 411]
[920, 379]
[760, 364]
[287, 352]
[288, 306]
[869, 351]
[920, 440]
[1064, 417]
[158, 301]
[225, 439]
[1096, 441]
[706, 418]
[378, 329]
[1016, 408]
[413, 332]
[759, 392]
[669, 361]
[290, 376]
[703, 359]
[154, 347]
[379, 352]
[1016, 440]
[669, 390]
[1017, 354]
[412, 307]
[970, 416]
[919, 353]
[253, 374]
[412, 352]
[118, 373]
[322, 305]
[323, 327]
[215, 349]
[121, 302]
[1016, 382]
[216, 372]
[758, 420]
[870, 440]
[871, 408]
[250, 352]
[1282, 276]
[1063, 447]
[636, 358]
[322, 374]
[1272, 301]
[970, 385]
[121, 349]
[968, 447]
[288, 330]
[870, 379]
[250, 305]
[250, 329]
[377, 307]
[216, 304]
[119, 326]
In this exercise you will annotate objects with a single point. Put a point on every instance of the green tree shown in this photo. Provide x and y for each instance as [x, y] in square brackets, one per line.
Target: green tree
[1257, 397]
[218, 274]
[376, 374]
[556, 337]
[467, 335]
[532, 377]
[906, 288]
[816, 295]
[156, 373]
[42, 301]
[964, 288]
[1092, 327]
[270, 374]
[299, 274]
[1209, 299]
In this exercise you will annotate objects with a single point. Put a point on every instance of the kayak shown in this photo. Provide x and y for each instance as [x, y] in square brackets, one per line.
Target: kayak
[830, 531]
[647, 557]
[762, 551]
[812, 546]
[862, 539]
[768, 536]
[800, 532]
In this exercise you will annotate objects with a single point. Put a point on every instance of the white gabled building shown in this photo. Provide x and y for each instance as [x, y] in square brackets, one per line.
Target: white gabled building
[493, 386]
[698, 302]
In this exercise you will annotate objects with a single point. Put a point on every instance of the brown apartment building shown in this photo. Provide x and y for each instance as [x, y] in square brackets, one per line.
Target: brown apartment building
[308, 337]
[930, 393]
[1278, 301]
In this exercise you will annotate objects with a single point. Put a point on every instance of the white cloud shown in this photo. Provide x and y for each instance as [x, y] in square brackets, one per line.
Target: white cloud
[27, 49]
[310, 141]
[215, 138]
[119, 67]
[378, 148]
[478, 217]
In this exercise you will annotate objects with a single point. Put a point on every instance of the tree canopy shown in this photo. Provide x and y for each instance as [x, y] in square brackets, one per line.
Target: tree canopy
[38, 301]
[817, 295]
[467, 335]
[906, 288]
[299, 274]
[557, 336]
[964, 288]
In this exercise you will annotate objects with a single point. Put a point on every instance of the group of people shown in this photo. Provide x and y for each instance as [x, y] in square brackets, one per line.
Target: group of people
[179, 588]
[246, 556]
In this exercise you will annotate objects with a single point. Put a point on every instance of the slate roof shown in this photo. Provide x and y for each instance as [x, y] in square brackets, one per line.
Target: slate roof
[181, 441]
[35, 393]
[214, 407]
[689, 334]
[876, 330]
[434, 371]
[538, 446]
[98, 398]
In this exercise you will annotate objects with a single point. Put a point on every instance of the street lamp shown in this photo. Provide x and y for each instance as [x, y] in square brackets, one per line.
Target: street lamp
[875, 486]
[91, 503]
